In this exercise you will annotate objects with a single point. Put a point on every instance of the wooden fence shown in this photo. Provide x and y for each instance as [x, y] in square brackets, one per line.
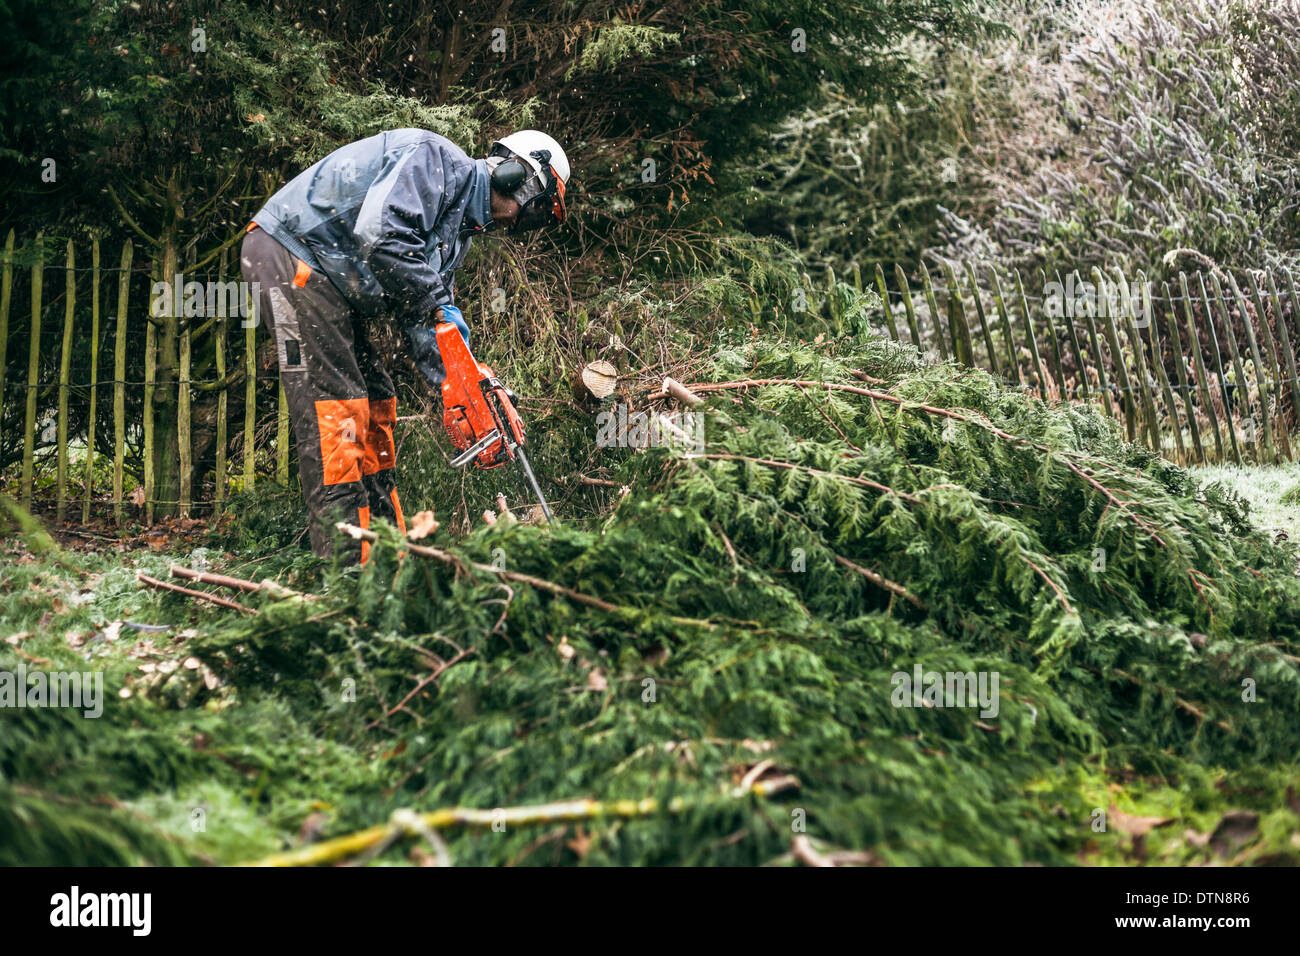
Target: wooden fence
[128, 319]
[1204, 371]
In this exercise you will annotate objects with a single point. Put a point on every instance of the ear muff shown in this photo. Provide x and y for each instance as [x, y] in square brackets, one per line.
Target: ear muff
[544, 209]
[509, 176]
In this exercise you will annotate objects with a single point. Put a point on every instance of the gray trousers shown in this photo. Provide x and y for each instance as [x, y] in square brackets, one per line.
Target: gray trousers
[342, 405]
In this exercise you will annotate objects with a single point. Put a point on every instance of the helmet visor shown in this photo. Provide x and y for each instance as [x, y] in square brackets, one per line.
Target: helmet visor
[542, 209]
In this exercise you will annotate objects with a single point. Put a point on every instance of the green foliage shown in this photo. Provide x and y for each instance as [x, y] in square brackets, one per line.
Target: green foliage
[1169, 126]
[735, 632]
[617, 42]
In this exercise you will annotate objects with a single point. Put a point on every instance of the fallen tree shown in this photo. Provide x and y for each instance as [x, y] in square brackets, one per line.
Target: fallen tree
[744, 612]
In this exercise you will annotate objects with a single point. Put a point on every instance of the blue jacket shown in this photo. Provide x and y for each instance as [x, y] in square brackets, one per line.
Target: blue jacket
[382, 218]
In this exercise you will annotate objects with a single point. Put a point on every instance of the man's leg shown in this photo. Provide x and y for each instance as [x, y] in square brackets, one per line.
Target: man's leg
[378, 472]
[312, 326]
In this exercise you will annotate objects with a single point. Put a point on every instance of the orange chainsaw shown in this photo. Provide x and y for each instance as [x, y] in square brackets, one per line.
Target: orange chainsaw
[478, 412]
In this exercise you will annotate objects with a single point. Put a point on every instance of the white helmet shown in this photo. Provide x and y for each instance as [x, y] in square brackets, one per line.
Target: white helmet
[533, 169]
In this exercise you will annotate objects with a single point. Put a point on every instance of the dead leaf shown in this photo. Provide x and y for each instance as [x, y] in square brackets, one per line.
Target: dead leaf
[422, 525]
[596, 680]
[1235, 829]
[1134, 826]
[257, 117]
[803, 850]
[580, 844]
[15, 638]
[313, 827]
[656, 657]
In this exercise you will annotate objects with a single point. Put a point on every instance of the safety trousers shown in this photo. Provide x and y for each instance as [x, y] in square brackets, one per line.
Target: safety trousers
[342, 405]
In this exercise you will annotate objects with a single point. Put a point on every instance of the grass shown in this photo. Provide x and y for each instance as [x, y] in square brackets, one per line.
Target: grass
[1272, 490]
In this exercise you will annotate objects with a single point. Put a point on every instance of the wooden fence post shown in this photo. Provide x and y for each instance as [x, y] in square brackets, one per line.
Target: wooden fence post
[1285, 337]
[1000, 302]
[65, 364]
[1040, 370]
[1139, 359]
[901, 278]
[833, 300]
[1217, 354]
[1270, 349]
[150, 375]
[119, 379]
[219, 337]
[184, 444]
[884, 303]
[1058, 367]
[33, 373]
[1158, 360]
[1101, 304]
[1242, 398]
[1180, 364]
[933, 305]
[1103, 380]
[1198, 366]
[94, 379]
[985, 332]
[1295, 308]
[6, 293]
[1073, 327]
[961, 344]
[1261, 368]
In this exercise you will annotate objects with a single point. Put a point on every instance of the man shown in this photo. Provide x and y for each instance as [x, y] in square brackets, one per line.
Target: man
[375, 232]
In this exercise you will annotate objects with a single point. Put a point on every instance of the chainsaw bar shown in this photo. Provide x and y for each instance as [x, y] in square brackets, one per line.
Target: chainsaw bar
[532, 480]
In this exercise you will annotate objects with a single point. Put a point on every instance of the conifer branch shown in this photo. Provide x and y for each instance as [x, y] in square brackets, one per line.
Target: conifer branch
[542, 584]
[1085, 474]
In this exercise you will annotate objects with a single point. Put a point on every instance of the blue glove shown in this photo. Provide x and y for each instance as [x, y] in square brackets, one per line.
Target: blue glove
[424, 344]
[452, 314]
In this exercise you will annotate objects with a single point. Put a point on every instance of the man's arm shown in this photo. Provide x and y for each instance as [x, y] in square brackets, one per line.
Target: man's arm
[402, 207]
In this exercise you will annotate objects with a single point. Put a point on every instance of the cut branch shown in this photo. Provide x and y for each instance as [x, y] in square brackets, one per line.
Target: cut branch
[190, 592]
[265, 586]
[402, 824]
